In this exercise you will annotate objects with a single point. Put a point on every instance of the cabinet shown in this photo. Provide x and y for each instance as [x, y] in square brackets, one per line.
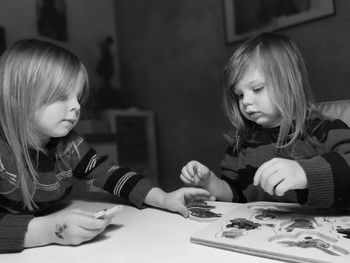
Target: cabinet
[136, 140]
[127, 136]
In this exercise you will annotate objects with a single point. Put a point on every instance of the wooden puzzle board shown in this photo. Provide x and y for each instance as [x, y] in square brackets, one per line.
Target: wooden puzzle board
[281, 231]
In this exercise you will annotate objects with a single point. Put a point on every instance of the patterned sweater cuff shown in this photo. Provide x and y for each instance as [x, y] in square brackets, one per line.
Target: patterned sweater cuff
[320, 182]
[12, 232]
[140, 191]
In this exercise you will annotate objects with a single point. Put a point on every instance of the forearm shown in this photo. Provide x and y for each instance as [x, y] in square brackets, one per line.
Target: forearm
[155, 197]
[219, 188]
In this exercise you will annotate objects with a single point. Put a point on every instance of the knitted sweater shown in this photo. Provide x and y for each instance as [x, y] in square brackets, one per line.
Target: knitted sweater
[54, 184]
[325, 162]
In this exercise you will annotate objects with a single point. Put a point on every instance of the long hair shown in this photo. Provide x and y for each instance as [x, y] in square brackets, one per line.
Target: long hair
[33, 74]
[282, 64]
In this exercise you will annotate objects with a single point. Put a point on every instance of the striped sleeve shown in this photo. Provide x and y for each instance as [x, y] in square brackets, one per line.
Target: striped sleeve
[101, 171]
[328, 174]
[13, 227]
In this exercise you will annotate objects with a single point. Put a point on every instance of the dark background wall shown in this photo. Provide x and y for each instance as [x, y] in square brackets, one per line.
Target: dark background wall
[172, 54]
[88, 23]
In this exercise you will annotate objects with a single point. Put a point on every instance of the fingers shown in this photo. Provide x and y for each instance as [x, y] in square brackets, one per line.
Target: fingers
[198, 194]
[187, 175]
[86, 220]
[96, 224]
[280, 175]
[183, 210]
[90, 227]
[268, 176]
[186, 179]
[281, 188]
[189, 172]
[270, 183]
[79, 235]
[263, 171]
[193, 191]
[88, 234]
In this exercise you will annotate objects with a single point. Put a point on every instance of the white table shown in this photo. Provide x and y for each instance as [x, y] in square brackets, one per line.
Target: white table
[147, 236]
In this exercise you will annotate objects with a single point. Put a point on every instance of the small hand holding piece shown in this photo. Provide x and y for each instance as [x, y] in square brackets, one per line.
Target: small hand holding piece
[196, 174]
[280, 175]
[74, 227]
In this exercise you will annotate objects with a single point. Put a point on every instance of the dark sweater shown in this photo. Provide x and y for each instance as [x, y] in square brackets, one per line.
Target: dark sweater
[326, 164]
[55, 181]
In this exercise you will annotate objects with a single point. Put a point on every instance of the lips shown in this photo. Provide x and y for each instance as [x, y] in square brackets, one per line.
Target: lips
[254, 114]
[71, 121]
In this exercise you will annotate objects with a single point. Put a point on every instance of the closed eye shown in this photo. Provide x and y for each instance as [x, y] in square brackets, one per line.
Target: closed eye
[258, 89]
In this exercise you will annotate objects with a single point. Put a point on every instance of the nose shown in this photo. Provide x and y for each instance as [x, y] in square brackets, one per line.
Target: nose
[247, 98]
[75, 105]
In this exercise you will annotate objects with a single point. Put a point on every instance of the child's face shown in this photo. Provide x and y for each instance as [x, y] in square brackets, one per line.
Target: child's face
[255, 102]
[60, 117]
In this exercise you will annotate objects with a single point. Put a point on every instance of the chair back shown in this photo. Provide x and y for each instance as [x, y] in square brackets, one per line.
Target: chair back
[337, 109]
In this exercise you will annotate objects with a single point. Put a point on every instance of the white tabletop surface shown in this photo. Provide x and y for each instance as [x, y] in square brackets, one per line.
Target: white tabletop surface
[137, 235]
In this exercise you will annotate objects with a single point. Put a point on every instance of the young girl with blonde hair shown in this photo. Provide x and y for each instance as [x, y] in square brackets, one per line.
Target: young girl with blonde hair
[281, 148]
[42, 87]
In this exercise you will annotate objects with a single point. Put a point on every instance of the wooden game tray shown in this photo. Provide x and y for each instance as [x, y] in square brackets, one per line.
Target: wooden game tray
[281, 231]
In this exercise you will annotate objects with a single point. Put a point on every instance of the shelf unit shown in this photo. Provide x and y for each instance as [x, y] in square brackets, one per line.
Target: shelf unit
[136, 140]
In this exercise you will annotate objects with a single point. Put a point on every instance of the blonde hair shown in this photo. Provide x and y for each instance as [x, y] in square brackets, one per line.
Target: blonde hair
[33, 74]
[283, 66]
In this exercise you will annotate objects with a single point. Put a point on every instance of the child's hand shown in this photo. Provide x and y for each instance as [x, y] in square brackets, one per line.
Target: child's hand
[74, 227]
[176, 201]
[71, 227]
[195, 173]
[279, 175]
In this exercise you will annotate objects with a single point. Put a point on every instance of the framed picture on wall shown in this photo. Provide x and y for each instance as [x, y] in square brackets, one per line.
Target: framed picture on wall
[244, 19]
[51, 19]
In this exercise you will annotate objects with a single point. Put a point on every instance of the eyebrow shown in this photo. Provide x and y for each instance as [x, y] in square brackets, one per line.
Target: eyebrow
[252, 84]
[256, 82]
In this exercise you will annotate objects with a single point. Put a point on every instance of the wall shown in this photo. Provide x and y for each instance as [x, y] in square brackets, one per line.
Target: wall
[325, 44]
[172, 54]
[88, 22]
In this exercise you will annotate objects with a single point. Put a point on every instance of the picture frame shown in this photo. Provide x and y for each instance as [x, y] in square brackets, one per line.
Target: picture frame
[245, 19]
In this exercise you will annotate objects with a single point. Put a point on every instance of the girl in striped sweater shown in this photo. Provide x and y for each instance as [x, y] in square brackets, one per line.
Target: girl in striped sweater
[281, 148]
[42, 87]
